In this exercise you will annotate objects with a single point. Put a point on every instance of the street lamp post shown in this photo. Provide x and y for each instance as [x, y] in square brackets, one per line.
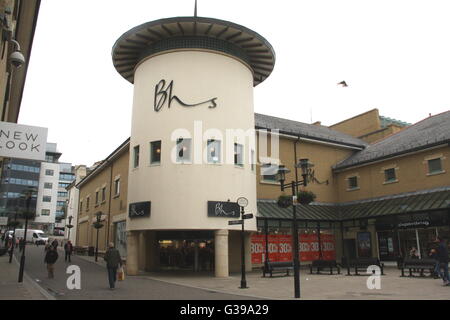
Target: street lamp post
[69, 226]
[243, 202]
[13, 239]
[98, 226]
[282, 171]
[28, 196]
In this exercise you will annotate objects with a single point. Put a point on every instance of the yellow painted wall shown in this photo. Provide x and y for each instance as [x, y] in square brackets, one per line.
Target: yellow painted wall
[322, 156]
[360, 125]
[104, 178]
[412, 175]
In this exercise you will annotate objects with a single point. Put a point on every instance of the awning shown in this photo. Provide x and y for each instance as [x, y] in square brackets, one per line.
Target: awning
[414, 202]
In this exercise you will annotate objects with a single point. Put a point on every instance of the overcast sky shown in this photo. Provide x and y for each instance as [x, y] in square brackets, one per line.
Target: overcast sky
[393, 54]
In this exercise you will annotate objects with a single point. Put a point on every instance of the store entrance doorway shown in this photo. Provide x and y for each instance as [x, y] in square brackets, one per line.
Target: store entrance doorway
[186, 251]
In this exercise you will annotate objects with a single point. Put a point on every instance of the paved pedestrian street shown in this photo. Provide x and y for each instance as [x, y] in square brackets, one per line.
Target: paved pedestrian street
[171, 285]
[94, 283]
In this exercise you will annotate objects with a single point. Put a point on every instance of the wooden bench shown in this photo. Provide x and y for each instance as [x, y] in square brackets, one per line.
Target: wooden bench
[277, 267]
[324, 264]
[418, 266]
[362, 264]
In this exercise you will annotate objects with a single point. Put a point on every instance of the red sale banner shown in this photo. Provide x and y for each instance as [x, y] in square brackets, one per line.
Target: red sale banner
[280, 247]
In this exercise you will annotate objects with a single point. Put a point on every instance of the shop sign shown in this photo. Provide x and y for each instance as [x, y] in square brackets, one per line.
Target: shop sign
[223, 209]
[414, 224]
[23, 142]
[165, 96]
[280, 247]
[140, 209]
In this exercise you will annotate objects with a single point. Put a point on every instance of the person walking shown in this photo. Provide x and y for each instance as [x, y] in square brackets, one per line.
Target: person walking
[442, 256]
[68, 249]
[113, 261]
[50, 259]
[55, 244]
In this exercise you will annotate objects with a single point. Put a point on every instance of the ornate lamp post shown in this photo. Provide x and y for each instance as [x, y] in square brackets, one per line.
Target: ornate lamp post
[28, 195]
[97, 225]
[305, 165]
[69, 226]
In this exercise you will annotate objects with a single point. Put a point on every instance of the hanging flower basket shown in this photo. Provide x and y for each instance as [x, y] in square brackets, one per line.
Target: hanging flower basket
[306, 197]
[284, 201]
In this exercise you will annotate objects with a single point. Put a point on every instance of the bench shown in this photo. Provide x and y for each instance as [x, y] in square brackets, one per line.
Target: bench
[362, 264]
[277, 267]
[418, 266]
[324, 264]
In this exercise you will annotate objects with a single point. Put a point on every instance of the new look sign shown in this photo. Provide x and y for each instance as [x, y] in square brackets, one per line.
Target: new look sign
[23, 142]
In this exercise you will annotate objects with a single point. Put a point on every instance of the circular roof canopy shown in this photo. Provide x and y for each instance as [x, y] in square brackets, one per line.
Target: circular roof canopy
[189, 33]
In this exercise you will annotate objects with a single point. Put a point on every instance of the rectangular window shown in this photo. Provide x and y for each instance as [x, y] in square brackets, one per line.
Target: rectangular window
[353, 182]
[214, 155]
[183, 150]
[389, 175]
[96, 197]
[269, 172]
[87, 204]
[155, 152]
[238, 155]
[103, 194]
[49, 172]
[435, 165]
[62, 194]
[81, 206]
[117, 187]
[136, 157]
[45, 212]
[61, 203]
[47, 199]
[48, 185]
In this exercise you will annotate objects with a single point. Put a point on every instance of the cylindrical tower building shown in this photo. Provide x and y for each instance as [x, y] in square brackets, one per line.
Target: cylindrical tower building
[192, 147]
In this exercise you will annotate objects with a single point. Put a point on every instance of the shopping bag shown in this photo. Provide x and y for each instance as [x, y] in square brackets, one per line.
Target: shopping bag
[120, 274]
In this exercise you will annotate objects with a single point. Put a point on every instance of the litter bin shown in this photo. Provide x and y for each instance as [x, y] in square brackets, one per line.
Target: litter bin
[91, 251]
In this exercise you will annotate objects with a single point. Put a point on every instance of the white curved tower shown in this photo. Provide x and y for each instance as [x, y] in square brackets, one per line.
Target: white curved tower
[192, 140]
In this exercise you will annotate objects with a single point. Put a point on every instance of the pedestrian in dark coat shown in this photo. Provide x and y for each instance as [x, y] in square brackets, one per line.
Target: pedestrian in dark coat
[55, 244]
[113, 261]
[442, 256]
[50, 259]
[68, 249]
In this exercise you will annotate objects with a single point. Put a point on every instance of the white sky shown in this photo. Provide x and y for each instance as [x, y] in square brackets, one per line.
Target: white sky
[395, 56]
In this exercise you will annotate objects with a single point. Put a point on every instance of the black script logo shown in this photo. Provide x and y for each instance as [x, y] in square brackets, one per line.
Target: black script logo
[164, 95]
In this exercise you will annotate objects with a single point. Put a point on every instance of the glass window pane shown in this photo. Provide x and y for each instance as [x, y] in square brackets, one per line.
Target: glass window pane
[214, 155]
[155, 152]
[434, 165]
[183, 150]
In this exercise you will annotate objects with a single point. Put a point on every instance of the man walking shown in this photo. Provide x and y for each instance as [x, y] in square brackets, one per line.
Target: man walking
[50, 259]
[68, 249]
[442, 256]
[113, 261]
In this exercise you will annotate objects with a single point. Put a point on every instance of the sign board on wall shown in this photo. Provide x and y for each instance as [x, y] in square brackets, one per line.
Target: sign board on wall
[140, 209]
[23, 142]
[3, 221]
[223, 209]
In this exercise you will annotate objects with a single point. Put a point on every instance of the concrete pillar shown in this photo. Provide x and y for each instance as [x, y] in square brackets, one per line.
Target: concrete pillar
[221, 253]
[248, 251]
[132, 253]
[152, 252]
[142, 250]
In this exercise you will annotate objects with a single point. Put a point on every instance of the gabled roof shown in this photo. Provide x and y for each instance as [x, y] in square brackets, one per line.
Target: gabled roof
[309, 131]
[430, 132]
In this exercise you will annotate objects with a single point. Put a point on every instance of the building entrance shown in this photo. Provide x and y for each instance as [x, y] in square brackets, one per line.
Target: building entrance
[190, 251]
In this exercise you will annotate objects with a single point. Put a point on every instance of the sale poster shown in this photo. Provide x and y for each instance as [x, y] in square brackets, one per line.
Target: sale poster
[280, 247]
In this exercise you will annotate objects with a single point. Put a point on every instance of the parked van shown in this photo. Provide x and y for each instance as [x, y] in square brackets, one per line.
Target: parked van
[34, 236]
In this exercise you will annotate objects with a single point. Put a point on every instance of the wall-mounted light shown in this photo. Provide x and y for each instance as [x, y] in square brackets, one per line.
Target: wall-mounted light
[16, 58]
